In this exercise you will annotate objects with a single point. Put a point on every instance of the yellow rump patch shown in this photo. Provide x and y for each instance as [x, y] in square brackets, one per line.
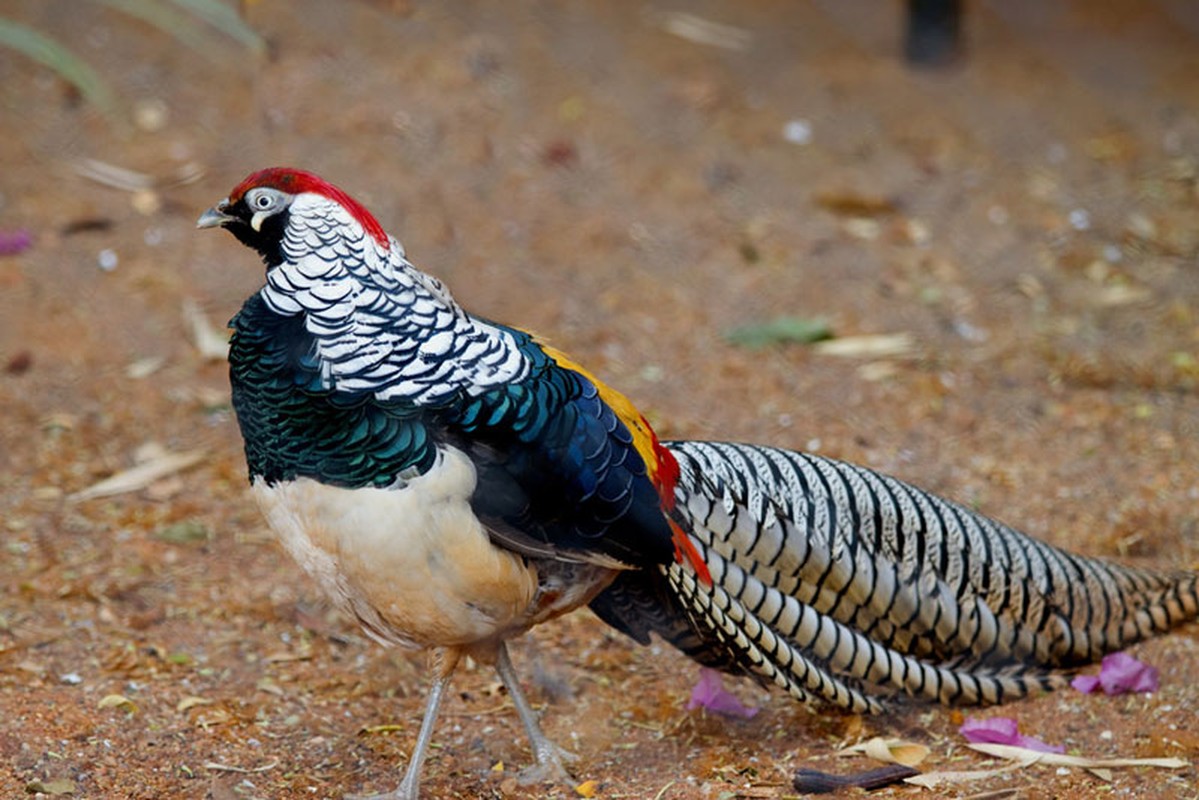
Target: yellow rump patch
[660, 465]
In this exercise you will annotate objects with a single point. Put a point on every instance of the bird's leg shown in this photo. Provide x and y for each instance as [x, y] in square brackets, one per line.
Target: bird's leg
[549, 756]
[444, 661]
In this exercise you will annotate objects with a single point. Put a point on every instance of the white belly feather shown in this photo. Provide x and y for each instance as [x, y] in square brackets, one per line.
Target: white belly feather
[413, 564]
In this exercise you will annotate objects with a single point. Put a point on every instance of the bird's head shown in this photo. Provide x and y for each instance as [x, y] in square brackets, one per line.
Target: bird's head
[259, 209]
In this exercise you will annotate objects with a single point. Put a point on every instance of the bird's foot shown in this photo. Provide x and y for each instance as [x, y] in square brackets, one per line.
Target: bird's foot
[409, 789]
[550, 766]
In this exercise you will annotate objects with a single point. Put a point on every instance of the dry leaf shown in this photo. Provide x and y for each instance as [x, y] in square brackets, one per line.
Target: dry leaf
[118, 701]
[140, 476]
[868, 346]
[212, 343]
[855, 204]
[111, 175]
[931, 780]
[1062, 760]
[1023, 757]
[144, 367]
[889, 751]
[218, 767]
[897, 751]
[131, 180]
[587, 788]
[191, 702]
[59, 786]
[216, 716]
[703, 31]
[1121, 295]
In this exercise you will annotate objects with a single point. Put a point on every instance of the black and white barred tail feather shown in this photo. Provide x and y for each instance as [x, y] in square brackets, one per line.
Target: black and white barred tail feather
[838, 583]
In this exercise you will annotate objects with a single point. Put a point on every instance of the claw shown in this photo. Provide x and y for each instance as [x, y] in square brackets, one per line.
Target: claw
[550, 766]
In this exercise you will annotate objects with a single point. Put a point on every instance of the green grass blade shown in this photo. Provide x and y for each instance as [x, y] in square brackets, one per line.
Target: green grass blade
[181, 27]
[780, 330]
[66, 64]
[225, 19]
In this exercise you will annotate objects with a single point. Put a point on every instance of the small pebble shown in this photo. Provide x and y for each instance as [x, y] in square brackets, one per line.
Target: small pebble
[151, 115]
[1080, 219]
[859, 228]
[107, 260]
[146, 202]
[798, 131]
[917, 232]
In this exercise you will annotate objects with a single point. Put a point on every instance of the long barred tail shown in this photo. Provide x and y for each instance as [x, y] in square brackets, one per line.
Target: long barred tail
[842, 584]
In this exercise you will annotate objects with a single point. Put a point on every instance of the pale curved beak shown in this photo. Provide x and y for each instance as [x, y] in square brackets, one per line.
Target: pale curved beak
[215, 217]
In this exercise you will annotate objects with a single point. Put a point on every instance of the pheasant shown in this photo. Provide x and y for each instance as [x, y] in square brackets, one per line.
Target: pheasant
[451, 482]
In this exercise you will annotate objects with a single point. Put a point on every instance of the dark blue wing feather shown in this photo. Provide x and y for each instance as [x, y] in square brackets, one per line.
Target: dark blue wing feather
[557, 468]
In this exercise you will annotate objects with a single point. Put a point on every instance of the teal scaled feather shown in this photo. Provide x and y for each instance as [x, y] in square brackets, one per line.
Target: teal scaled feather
[294, 427]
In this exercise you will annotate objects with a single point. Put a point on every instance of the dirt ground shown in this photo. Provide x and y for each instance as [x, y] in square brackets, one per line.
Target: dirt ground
[1023, 228]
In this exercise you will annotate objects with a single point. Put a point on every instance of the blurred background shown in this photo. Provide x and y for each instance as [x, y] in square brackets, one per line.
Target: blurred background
[968, 262]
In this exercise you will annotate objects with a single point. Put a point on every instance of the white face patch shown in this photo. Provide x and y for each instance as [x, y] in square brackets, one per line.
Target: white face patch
[265, 202]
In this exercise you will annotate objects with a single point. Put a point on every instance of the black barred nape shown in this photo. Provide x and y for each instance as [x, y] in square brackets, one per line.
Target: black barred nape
[379, 325]
[833, 580]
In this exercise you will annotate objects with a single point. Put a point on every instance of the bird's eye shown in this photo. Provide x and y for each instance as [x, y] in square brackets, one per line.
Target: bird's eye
[264, 200]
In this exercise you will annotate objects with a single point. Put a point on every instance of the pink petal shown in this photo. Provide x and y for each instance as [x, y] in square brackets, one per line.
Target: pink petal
[709, 693]
[1033, 743]
[1120, 673]
[1003, 730]
[995, 730]
[14, 242]
[1123, 673]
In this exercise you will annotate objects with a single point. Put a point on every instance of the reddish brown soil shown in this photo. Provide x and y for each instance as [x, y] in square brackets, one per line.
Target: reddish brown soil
[1030, 219]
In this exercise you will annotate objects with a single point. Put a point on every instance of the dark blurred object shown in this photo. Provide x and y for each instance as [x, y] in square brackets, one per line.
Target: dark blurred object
[87, 225]
[20, 363]
[560, 153]
[812, 781]
[934, 35]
